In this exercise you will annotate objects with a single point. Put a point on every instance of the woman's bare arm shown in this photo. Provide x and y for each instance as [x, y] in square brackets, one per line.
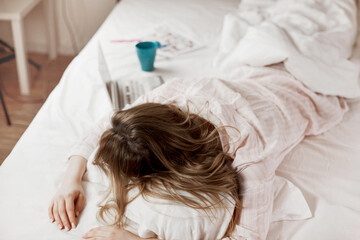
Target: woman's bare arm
[69, 200]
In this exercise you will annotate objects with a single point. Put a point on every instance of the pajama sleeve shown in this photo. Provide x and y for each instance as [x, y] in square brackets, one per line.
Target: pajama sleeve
[280, 112]
[88, 143]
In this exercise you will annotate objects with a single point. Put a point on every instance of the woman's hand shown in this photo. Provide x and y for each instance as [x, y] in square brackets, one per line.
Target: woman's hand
[69, 200]
[109, 233]
[67, 204]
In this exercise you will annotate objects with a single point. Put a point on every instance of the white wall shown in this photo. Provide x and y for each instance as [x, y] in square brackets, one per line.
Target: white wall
[85, 17]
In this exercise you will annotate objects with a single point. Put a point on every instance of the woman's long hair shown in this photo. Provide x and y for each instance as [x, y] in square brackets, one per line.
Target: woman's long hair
[163, 150]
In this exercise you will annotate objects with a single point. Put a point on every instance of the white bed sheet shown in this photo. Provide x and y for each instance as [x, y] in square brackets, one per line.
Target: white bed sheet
[323, 167]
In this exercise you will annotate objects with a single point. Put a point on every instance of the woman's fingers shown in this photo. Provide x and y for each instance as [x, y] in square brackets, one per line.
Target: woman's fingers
[63, 214]
[64, 210]
[89, 234]
[79, 205]
[50, 212]
[109, 233]
[98, 232]
[57, 217]
[70, 210]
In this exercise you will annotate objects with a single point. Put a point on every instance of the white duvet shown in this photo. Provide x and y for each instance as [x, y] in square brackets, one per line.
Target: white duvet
[314, 39]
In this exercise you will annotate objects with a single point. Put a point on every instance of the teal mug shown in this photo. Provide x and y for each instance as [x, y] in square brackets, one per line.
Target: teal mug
[146, 52]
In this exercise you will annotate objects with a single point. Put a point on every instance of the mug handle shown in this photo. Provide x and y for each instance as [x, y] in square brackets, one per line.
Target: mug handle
[157, 44]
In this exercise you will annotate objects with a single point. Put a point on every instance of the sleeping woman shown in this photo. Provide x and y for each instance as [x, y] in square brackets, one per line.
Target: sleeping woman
[195, 158]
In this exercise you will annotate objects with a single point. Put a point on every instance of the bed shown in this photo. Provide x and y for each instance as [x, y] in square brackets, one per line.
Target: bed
[325, 167]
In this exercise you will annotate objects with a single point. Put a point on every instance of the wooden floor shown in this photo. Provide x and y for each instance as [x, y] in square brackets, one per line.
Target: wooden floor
[22, 109]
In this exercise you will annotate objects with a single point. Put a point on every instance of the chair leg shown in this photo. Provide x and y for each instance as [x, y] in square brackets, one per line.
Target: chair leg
[4, 107]
[11, 49]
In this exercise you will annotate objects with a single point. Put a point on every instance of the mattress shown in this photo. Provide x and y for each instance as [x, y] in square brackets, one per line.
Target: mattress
[324, 167]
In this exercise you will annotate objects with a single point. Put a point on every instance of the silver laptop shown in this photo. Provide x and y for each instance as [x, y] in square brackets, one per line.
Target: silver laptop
[125, 91]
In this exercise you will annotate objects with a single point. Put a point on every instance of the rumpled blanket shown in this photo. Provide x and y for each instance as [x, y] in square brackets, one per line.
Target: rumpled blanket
[314, 39]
